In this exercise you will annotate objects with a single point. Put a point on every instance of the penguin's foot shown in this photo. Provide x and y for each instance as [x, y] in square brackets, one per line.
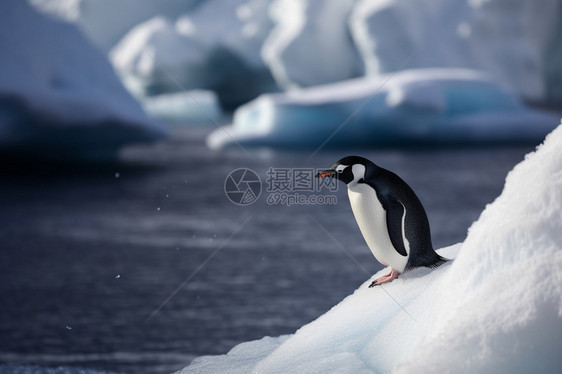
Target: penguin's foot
[387, 278]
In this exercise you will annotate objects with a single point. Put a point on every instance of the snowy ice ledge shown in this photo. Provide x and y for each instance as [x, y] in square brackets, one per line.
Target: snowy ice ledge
[59, 97]
[496, 308]
[425, 106]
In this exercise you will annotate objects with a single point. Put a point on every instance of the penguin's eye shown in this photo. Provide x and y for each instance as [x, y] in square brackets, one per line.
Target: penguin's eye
[340, 169]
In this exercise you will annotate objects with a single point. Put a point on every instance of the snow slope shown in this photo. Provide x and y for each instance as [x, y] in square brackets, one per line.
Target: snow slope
[59, 96]
[425, 106]
[496, 308]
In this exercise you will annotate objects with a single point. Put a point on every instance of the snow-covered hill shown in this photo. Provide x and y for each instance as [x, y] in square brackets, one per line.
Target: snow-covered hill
[496, 308]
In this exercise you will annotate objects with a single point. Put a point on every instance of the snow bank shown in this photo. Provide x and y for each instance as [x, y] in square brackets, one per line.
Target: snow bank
[500, 305]
[192, 107]
[58, 95]
[214, 47]
[310, 43]
[512, 40]
[426, 106]
[496, 308]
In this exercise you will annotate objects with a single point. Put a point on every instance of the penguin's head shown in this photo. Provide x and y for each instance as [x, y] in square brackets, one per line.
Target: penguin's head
[349, 170]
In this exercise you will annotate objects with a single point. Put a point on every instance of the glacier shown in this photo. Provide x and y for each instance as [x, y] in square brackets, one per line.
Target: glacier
[497, 307]
[59, 96]
[411, 107]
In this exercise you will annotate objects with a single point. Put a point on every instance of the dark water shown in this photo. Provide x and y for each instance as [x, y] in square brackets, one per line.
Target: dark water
[87, 259]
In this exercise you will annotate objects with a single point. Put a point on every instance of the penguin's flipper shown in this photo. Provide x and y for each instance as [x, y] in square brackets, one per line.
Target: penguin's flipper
[395, 212]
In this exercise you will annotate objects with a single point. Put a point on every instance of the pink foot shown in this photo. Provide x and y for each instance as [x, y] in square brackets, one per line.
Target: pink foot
[387, 278]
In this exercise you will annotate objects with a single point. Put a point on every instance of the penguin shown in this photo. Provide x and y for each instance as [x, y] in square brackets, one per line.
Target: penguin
[389, 214]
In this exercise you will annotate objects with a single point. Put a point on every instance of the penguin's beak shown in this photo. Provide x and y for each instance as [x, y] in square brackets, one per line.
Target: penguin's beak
[326, 173]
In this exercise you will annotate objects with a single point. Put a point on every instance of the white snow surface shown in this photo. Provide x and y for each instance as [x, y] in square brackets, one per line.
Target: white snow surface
[423, 106]
[240, 360]
[496, 308]
[57, 91]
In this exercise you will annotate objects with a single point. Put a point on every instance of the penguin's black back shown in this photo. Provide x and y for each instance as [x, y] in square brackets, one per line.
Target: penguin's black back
[390, 187]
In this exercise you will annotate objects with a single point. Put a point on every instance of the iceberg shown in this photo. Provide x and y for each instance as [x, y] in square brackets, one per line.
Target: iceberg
[496, 308]
[214, 47]
[394, 33]
[59, 97]
[412, 107]
[160, 58]
[514, 41]
[263, 42]
[305, 26]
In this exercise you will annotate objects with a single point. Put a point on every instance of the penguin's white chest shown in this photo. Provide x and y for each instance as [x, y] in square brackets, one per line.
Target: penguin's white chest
[371, 218]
